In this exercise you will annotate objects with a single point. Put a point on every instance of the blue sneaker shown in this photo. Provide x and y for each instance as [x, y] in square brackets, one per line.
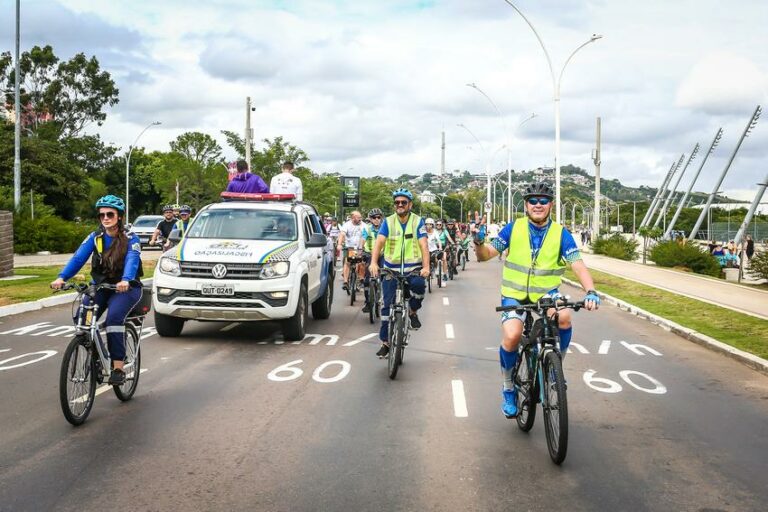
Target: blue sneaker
[509, 405]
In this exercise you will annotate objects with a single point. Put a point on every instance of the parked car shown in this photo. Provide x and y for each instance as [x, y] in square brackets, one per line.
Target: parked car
[144, 226]
[247, 260]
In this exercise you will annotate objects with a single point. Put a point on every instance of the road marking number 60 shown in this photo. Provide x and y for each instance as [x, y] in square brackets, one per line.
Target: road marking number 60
[291, 371]
[611, 386]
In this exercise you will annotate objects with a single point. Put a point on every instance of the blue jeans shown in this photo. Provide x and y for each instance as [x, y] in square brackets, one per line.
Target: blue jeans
[416, 284]
[118, 305]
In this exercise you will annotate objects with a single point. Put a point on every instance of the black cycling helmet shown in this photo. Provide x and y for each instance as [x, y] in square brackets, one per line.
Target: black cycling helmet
[374, 212]
[539, 189]
[167, 208]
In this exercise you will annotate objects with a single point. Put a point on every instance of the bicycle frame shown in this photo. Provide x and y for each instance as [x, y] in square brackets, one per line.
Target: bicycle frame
[86, 322]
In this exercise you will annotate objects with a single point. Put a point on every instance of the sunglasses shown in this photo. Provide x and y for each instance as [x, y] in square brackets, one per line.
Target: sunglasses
[543, 201]
[107, 215]
[375, 217]
[401, 203]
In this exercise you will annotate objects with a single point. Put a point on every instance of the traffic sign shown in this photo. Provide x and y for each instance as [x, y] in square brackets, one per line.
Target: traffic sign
[488, 206]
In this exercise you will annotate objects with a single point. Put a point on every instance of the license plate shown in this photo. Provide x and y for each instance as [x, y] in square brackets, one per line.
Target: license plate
[216, 289]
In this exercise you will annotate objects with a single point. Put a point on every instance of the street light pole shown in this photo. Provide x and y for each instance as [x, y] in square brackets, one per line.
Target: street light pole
[556, 87]
[128, 169]
[17, 115]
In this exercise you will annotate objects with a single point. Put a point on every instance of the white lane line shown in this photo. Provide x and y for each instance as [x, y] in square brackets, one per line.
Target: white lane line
[491, 348]
[459, 400]
[261, 342]
[360, 339]
[449, 331]
[446, 302]
[5, 350]
[101, 389]
[229, 327]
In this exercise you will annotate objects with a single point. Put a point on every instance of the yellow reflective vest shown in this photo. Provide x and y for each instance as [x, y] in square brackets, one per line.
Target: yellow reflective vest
[525, 279]
[402, 248]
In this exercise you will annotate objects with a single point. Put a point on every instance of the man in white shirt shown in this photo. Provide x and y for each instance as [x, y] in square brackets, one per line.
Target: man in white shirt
[287, 183]
[351, 242]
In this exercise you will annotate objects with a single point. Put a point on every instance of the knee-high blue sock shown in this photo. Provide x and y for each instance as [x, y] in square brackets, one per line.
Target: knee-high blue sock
[508, 360]
[565, 339]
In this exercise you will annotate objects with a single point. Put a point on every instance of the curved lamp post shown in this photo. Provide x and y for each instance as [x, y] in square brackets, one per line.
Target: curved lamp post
[556, 87]
[128, 169]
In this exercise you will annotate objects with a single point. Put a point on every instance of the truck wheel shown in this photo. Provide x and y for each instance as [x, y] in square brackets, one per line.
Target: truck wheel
[168, 326]
[321, 308]
[294, 328]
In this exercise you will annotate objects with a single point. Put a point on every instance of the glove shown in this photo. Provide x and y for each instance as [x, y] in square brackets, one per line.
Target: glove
[592, 296]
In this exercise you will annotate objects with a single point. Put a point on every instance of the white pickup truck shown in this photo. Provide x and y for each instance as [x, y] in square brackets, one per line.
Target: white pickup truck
[251, 258]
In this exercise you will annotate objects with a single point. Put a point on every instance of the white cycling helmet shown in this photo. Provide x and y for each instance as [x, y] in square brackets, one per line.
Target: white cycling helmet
[430, 220]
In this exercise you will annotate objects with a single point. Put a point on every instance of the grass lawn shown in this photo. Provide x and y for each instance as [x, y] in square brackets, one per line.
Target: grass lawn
[34, 288]
[736, 329]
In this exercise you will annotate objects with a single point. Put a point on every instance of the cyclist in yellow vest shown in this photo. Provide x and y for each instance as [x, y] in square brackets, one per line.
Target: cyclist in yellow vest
[403, 239]
[539, 249]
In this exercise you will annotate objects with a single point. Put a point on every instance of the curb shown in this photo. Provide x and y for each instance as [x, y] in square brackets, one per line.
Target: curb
[751, 360]
[34, 305]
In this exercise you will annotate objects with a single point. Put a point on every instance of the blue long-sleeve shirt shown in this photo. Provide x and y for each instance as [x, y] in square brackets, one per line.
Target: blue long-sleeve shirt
[84, 252]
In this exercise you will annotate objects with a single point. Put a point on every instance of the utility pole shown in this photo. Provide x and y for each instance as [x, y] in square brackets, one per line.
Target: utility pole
[17, 108]
[715, 141]
[442, 157]
[596, 160]
[750, 125]
[672, 191]
[248, 132]
[751, 211]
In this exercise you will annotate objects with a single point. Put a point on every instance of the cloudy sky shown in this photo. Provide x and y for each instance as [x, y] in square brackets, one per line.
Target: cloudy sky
[369, 85]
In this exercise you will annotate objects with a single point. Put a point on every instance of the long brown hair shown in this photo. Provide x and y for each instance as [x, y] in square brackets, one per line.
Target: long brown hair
[113, 258]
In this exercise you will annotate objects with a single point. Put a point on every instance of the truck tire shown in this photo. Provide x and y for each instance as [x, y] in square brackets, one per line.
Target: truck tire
[168, 326]
[294, 328]
[321, 308]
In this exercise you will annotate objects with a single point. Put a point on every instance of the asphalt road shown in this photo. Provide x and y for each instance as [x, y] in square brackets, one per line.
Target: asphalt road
[215, 425]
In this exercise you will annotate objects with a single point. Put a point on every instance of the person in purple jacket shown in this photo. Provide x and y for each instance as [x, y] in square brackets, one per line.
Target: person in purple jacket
[245, 182]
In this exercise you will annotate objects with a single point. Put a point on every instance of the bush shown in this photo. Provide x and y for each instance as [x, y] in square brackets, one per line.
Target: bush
[688, 255]
[48, 234]
[616, 246]
[758, 265]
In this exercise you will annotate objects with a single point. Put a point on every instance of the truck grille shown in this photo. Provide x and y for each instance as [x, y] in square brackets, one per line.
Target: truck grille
[234, 270]
[196, 294]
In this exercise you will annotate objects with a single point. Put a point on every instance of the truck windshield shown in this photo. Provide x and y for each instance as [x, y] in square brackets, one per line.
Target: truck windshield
[244, 224]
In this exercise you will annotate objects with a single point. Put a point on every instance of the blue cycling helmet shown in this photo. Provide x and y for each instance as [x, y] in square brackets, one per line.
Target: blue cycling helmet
[111, 201]
[402, 192]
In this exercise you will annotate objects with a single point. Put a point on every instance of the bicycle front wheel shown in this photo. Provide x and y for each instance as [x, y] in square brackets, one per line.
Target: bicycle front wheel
[463, 261]
[372, 300]
[555, 407]
[77, 382]
[440, 274]
[132, 365]
[394, 343]
[525, 382]
[352, 286]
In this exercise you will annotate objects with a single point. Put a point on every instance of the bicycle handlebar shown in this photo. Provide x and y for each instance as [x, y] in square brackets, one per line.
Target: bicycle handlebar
[397, 275]
[83, 287]
[543, 304]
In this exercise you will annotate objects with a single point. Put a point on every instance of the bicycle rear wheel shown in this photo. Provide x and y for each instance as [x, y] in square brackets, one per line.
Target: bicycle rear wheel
[132, 365]
[77, 382]
[527, 390]
[555, 407]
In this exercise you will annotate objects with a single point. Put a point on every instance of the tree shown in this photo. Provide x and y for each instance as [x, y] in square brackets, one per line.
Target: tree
[70, 94]
[197, 147]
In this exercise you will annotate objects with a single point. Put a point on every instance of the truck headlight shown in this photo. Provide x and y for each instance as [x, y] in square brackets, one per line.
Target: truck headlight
[275, 269]
[170, 266]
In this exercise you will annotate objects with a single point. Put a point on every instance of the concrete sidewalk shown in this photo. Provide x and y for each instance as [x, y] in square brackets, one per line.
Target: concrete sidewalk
[39, 260]
[743, 299]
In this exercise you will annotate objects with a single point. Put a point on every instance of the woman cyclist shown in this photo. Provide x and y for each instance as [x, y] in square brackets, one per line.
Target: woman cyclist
[115, 259]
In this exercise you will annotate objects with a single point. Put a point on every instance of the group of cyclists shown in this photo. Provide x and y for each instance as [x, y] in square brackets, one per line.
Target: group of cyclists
[537, 250]
[174, 217]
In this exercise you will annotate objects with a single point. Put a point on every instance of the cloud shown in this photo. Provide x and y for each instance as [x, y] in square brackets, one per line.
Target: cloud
[723, 83]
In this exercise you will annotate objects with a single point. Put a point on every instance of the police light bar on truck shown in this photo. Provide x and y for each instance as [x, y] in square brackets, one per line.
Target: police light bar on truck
[238, 196]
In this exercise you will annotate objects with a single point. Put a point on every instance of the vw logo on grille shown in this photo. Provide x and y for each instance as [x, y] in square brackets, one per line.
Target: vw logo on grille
[219, 271]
